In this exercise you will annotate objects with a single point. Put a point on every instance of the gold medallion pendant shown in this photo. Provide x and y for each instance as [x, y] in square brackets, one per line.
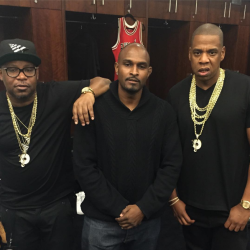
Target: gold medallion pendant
[23, 139]
[24, 159]
[196, 144]
[200, 115]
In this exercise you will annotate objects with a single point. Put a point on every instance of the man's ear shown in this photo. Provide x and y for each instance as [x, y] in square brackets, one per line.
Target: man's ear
[223, 53]
[1, 74]
[150, 69]
[189, 54]
[37, 73]
[116, 67]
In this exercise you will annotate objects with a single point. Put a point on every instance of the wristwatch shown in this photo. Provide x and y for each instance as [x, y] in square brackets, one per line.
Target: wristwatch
[245, 204]
[88, 90]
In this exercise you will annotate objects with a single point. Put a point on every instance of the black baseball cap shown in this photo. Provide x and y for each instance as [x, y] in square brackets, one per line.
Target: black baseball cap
[18, 50]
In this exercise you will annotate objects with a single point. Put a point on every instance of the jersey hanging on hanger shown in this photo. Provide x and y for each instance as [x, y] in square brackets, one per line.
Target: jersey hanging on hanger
[126, 34]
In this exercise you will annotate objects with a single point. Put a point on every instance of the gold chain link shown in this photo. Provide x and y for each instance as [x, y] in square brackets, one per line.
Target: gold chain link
[23, 139]
[208, 109]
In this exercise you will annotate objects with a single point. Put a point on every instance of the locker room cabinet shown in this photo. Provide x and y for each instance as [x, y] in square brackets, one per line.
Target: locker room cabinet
[241, 60]
[158, 9]
[180, 10]
[245, 13]
[137, 8]
[223, 12]
[20, 3]
[46, 4]
[111, 7]
[198, 10]
[88, 6]
[171, 9]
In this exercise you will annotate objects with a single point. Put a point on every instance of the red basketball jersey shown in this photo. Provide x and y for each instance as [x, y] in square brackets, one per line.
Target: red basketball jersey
[126, 34]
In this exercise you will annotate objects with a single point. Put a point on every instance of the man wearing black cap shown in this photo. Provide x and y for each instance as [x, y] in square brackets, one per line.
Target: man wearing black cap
[36, 176]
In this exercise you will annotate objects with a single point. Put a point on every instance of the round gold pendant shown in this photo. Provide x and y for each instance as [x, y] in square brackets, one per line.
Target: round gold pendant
[196, 144]
[24, 159]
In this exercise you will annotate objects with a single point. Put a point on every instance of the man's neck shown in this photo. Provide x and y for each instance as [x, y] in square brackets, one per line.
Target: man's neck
[206, 84]
[129, 100]
[22, 102]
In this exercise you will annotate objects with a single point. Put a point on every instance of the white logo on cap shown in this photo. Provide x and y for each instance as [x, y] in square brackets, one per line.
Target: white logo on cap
[16, 47]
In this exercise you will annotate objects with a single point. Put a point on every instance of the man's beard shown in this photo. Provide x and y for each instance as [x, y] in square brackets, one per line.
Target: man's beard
[132, 90]
[22, 96]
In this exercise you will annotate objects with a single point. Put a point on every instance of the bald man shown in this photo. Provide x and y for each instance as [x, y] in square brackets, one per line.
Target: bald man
[127, 160]
[213, 109]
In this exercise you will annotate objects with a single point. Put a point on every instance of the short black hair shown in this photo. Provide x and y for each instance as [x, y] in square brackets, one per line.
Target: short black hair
[208, 29]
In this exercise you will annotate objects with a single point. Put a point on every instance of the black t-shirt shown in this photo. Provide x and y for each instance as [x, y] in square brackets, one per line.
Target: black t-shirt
[49, 174]
[214, 177]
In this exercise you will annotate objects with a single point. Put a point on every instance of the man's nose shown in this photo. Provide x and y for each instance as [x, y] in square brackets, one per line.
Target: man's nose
[21, 75]
[204, 58]
[134, 70]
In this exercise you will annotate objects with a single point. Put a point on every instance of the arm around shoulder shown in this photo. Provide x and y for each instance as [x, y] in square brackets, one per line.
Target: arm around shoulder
[99, 85]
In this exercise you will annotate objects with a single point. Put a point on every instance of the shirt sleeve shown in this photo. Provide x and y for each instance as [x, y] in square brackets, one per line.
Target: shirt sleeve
[248, 111]
[72, 89]
[158, 193]
[98, 189]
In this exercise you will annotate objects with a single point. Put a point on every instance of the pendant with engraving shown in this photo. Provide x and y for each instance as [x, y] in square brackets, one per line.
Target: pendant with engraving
[196, 144]
[24, 159]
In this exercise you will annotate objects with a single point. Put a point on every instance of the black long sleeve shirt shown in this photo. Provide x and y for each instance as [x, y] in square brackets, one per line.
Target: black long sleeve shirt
[127, 157]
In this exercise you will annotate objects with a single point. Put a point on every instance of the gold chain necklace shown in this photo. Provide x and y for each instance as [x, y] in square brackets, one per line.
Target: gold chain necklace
[201, 119]
[23, 139]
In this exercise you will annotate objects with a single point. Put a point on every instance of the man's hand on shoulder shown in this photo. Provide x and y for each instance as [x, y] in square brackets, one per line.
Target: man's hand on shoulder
[130, 217]
[237, 219]
[83, 109]
[83, 106]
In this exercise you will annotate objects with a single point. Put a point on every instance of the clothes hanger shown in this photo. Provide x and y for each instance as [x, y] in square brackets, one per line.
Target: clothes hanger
[133, 18]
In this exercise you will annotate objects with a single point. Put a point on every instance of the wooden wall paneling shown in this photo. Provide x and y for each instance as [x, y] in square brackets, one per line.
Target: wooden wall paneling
[169, 55]
[138, 7]
[230, 41]
[180, 10]
[245, 13]
[223, 12]
[25, 3]
[199, 10]
[64, 35]
[158, 9]
[88, 6]
[48, 37]
[242, 62]
[111, 7]
[47, 4]
[20, 3]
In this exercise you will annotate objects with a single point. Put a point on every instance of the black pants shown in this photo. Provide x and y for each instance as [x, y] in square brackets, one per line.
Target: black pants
[208, 232]
[47, 228]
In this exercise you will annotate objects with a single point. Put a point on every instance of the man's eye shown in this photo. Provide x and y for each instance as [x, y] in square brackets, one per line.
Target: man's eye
[127, 64]
[29, 69]
[212, 53]
[12, 69]
[196, 53]
[142, 66]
